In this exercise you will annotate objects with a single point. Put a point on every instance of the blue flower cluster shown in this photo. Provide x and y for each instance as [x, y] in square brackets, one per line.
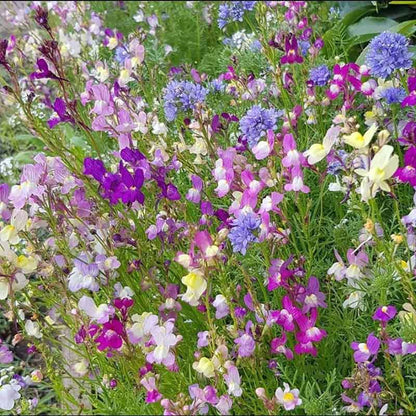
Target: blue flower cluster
[256, 122]
[242, 232]
[320, 75]
[388, 52]
[182, 96]
[233, 12]
[393, 95]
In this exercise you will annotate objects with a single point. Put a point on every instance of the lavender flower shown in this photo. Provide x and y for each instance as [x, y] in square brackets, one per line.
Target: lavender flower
[393, 95]
[256, 122]
[388, 52]
[121, 55]
[182, 96]
[320, 75]
[241, 235]
[233, 12]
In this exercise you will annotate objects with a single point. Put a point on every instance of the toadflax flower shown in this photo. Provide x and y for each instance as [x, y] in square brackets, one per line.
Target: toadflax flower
[382, 167]
[364, 350]
[195, 287]
[8, 394]
[385, 313]
[388, 52]
[360, 141]
[164, 339]
[287, 397]
[407, 173]
[319, 151]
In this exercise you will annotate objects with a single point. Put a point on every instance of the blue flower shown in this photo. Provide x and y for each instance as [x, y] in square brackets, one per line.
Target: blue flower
[233, 12]
[121, 55]
[393, 95]
[388, 52]
[256, 122]
[320, 75]
[304, 47]
[182, 96]
[242, 232]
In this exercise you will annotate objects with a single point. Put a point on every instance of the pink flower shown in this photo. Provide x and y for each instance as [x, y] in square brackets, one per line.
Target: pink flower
[287, 397]
[232, 378]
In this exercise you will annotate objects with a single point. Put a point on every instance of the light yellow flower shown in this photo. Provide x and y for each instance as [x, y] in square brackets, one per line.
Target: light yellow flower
[195, 287]
[318, 151]
[360, 141]
[204, 366]
[382, 167]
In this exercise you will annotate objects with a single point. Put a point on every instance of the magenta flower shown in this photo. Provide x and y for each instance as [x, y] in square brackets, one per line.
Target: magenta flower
[410, 100]
[385, 313]
[308, 331]
[400, 347]
[63, 116]
[364, 350]
[194, 193]
[291, 55]
[292, 156]
[111, 335]
[407, 173]
[44, 71]
[278, 347]
[296, 181]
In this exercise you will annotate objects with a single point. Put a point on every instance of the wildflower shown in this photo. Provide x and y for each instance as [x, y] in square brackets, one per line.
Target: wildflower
[382, 167]
[152, 394]
[220, 304]
[6, 356]
[203, 339]
[357, 263]
[63, 116]
[288, 398]
[182, 96]
[410, 100]
[83, 276]
[320, 75]
[291, 55]
[142, 327]
[242, 234]
[388, 52]
[204, 366]
[18, 222]
[360, 141]
[277, 345]
[111, 335]
[101, 314]
[233, 12]
[246, 345]
[318, 151]
[296, 178]
[393, 95]
[9, 393]
[292, 156]
[194, 193]
[312, 297]
[407, 173]
[364, 350]
[400, 347]
[355, 300]
[232, 378]
[195, 287]
[164, 339]
[385, 313]
[257, 121]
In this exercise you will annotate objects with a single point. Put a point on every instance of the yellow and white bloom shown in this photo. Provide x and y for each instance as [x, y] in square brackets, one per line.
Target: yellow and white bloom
[319, 151]
[195, 287]
[382, 167]
[204, 366]
[18, 222]
[360, 141]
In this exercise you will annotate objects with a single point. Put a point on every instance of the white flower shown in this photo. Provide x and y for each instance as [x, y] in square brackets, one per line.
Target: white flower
[355, 300]
[18, 222]
[8, 394]
[382, 167]
[101, 314]
[33, 329]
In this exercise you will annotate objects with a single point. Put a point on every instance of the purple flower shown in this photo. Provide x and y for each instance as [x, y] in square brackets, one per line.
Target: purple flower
[121, 55]
[364, 350]
[409, 134]
[320, 75]
[95, 168]
[400, 347]
[182, 96]
[291, 55]
[410, 100]
[312, 297]
[242, 232]
[233, 12]
[246, 345]
[111, 335]
[407, 173]
[60, 108]
[388, 52]
[393, 95]
[44, 71]
[256, 122]
[6, 356]
[385, 313]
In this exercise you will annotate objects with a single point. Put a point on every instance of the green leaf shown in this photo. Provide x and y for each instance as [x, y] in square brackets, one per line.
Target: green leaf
[24, 157]
[368, 26]
[406, 28]
[356, 14]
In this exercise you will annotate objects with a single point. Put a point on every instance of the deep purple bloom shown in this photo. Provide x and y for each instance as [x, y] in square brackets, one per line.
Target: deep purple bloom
[388, 52]
[291, 55]
[410, 100]
[364, 350]
[44, 71]
[95, 168]
[60, 108]
[385, 313]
